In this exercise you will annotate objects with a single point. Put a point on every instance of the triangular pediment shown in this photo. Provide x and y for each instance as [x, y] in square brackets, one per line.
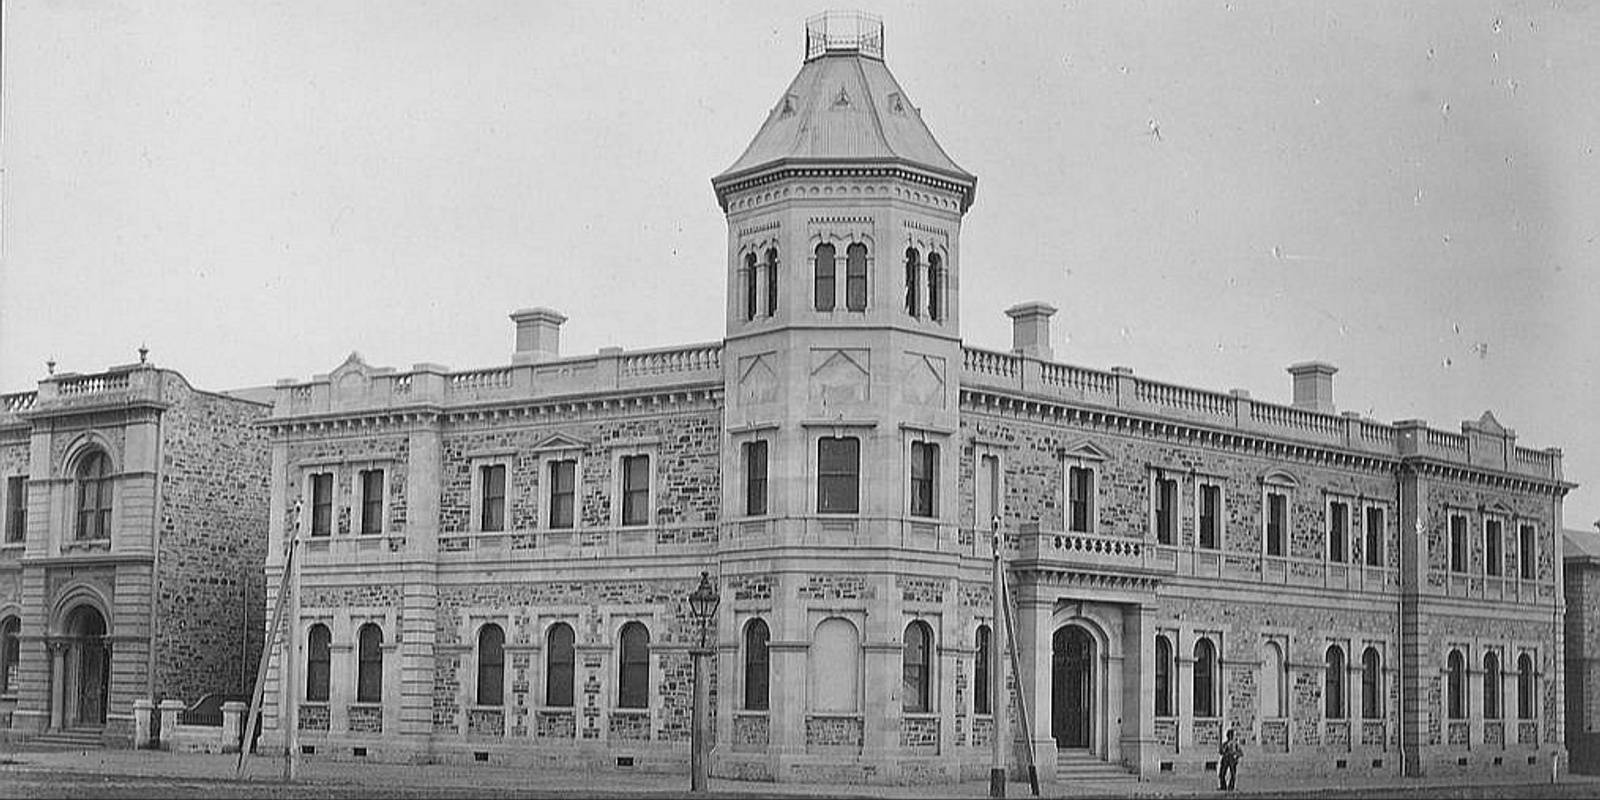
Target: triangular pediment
[352, 363]
[560, 441]
[1085, 449]
[1487, 424]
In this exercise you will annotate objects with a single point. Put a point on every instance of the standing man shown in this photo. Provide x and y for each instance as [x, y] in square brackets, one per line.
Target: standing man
[1231, 752]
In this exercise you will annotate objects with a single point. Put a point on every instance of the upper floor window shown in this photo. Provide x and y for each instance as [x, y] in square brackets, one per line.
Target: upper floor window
[981, 703]
[747, 276]
[838, 474]
[755, 477]
[823, 285]
[1456, 685]
[1371, 684]
[986, 500]
[10, 653]
[1210, 522]
[913, 278]
[1338, 531]
[1493, 542]
[1080, 498]
[321, 503]
[563, 492]
[1491, 685]
[924, 479]
[492, 497]
[16, 508]
[756, 665]
[491, 665]
[918, 667]
[855, 277]
[935, 287]
[319, 663]
[372, 501]
[1205, 678]
[369, 660]
[1277, 523]
[772, 281]
[1458, 543]
[1166, 509]
[636, 490]
[1527, 564]
[633, 678]
[1374, 532]
[1163, 676]
[1333, 683]
[94, 496]
[1525, 687]
[560, 659]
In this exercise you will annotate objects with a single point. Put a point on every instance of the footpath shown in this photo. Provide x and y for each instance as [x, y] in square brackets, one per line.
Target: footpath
[315, 771]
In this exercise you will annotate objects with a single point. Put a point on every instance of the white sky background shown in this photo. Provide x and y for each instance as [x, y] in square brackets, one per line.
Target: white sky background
[254, 189]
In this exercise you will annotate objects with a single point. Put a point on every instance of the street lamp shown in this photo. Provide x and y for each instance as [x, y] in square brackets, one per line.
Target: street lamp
[703, 604]
[998, 706]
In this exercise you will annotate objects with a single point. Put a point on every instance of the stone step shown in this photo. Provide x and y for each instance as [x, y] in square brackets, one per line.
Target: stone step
[69, 739]
[1080, 765]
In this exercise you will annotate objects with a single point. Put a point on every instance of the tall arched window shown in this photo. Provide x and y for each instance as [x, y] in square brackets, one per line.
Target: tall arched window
[855, 277]
[772, 281]
[1205, 678]
[980, 673]
[1274, 677]
[319, 663]
[1525, 686]
[833, 666]
[1163, 676]
[747, 276]
[10, 653]
[1371, 684]
[823, 285]
[1491, 685]
[913, 275]
[94, 496]
[369, 659]
[1333, 684]
[491, 665]
[935, 287]
[559, 663]
[1456, 685]
[917, 668]
[757, 664]
[633, 678]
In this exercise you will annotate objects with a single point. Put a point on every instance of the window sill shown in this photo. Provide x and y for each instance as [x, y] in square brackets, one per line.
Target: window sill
[920, 715]
[638, 711]
[744, 712]
[86, 545]
[555, 709]
[481, 707]
[367, 704]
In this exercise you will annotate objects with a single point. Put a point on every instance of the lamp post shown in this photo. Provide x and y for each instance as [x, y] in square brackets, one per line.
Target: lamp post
[997, 676]
[703, 604]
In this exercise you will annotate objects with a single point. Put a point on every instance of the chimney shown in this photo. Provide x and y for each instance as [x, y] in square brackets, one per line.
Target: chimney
[538, 335]
[1030, 329]
[1313, 385]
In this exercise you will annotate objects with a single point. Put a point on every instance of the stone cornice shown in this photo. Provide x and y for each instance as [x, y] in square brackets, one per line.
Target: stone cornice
[1433, 467]
[964, 187]
[1047, 575]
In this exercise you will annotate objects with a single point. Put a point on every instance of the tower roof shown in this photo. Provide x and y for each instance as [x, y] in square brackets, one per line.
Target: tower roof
[844, 108]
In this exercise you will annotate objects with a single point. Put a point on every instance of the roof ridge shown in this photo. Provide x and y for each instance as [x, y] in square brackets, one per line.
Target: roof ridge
[872, 107]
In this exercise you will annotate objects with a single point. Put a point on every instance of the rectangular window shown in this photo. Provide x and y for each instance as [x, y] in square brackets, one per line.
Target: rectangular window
[823, 289]
[16, 508]
[492, 497]
[1526, 556]
[636, 490]
[1277, 522]
[987, 496]
[1493, 541]
[563, 492]
[1166, 510]
[1338, 532]
[755, 478]
[321, 504]
[1210, 515]
[838, 475]
[1080, 499]
[1374, 531]
[855, 277]
[1458, 543]
[924, 479]
[372, 501]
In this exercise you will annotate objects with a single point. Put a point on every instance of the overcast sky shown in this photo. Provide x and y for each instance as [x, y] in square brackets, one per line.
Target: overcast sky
[254, 189]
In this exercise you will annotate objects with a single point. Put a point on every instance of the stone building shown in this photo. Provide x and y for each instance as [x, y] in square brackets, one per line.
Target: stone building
[130, 559]
[1581, 559]
[496, 561]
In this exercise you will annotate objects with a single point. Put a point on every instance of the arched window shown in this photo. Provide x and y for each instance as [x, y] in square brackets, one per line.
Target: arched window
[855, 277]
[319, 663]
[1491, 685]
[1525, 686]
[834, 666]
[369, 677]
[1205, 681]
[917, 668]
[1273, 680]
[1456, 685]
[10, 653]
[559, 663]
[491, 665]
[913, 275]
[823, 287]
[94, 496]
[980, 673]
[1333, 684]
[935, 287]
[1371, 684]
[747, 276]
[756, 665]
[1163, 676]
[633, 678]
[772, 281]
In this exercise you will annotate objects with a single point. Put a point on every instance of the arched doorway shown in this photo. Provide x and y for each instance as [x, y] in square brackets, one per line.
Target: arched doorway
[88, 667]
[1072, 686]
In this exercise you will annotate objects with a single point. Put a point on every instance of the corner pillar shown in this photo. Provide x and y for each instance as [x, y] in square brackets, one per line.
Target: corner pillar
[1033, 652]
